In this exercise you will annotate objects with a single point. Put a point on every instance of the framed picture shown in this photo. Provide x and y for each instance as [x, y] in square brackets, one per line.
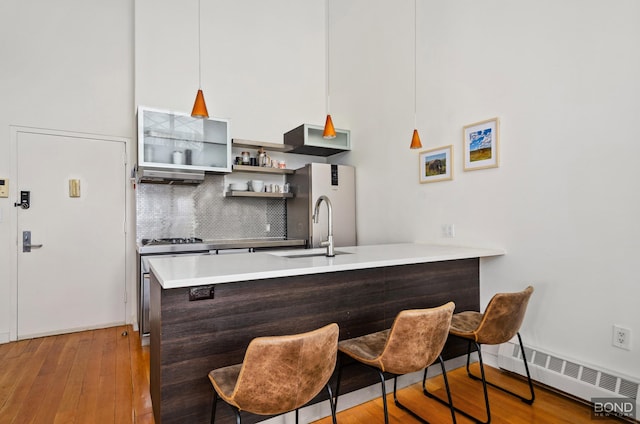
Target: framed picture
[481, 145]
[436, 165]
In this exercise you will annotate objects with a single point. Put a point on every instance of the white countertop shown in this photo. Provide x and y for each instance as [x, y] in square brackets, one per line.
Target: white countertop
[186, 271]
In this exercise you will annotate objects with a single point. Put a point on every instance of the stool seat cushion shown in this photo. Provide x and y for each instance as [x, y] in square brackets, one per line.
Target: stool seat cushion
[225, 379]
[463, 324]
[366, 348]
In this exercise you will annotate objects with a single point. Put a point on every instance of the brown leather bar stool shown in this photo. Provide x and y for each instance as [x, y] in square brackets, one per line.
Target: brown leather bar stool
[414, 342]
[279, 374]
[499, 323]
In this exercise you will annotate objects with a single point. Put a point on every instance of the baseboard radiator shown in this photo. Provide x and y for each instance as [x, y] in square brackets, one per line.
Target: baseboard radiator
[579, 380]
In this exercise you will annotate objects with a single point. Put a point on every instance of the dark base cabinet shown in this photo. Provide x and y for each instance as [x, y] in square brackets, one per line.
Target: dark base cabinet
[190, 338]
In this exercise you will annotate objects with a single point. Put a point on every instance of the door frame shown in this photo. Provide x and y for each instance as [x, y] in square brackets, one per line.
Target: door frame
[13, 217]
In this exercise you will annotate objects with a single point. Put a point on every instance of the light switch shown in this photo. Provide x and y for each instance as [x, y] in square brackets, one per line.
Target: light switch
[74, 188]
[4, 187]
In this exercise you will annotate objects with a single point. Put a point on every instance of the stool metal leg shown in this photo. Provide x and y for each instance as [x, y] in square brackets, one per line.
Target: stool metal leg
[412, 413]
[446, 385]
[236, 411]
[332, 404]
[450, 402]
[384, 396]
[401, 406]
[528, 400]
[485, 383]
[213, 407]
[339, 367]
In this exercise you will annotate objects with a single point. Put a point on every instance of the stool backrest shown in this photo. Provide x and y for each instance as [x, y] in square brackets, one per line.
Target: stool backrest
[416, 339]
[503, 317]
[282, 373]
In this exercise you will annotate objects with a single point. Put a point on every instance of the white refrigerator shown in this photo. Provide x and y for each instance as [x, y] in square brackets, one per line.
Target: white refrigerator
[337, 182]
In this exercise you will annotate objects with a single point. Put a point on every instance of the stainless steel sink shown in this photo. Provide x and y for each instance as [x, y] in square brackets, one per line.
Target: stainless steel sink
[312, 254]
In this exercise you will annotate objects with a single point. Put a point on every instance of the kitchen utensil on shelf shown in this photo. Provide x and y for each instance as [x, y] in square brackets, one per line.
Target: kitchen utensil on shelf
[246, 158]
[148, 153]
[238, 186]
[178, 157]
[257, 185]
[263, 158]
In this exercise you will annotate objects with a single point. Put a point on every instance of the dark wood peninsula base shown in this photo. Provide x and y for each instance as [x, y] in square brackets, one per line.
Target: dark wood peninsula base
[190, 338]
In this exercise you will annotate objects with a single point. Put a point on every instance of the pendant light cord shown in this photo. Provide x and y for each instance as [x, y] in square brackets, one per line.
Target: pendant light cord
[415, 66]
[327, 50]
[199, 51]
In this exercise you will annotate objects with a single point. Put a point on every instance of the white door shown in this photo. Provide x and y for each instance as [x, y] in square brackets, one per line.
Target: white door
[76, 280]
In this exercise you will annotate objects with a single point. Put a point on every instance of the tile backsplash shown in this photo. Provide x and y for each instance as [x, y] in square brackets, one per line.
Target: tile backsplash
[202, 211]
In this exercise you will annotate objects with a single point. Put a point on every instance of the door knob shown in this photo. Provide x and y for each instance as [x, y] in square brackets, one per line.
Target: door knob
[26, 242]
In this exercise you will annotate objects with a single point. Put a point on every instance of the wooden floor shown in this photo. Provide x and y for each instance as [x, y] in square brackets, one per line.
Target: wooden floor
[548, 407]
[99, 376]
[102, 376]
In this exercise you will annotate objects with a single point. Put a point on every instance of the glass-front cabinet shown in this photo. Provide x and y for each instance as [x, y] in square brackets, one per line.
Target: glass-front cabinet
[172, 140]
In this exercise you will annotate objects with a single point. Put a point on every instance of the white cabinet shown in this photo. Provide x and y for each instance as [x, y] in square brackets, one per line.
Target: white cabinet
[172, 140]
[307, 139]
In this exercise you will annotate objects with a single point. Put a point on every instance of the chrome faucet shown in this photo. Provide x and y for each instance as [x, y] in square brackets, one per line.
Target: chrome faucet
[316, 217]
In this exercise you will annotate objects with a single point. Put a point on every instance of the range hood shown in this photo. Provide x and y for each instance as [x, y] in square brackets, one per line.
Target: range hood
[169, 176]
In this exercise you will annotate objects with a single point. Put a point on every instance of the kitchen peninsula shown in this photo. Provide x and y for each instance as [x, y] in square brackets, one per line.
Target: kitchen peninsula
[206, 309]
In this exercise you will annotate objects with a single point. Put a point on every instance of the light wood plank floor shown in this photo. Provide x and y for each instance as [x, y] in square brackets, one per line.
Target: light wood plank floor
[97, 376]
[548, 407]
[102, 376]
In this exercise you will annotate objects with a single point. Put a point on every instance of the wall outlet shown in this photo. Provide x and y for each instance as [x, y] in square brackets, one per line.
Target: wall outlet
[448, 230]
[621, 337]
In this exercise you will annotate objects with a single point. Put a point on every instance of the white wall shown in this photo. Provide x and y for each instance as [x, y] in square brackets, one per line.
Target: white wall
[263, 63]
[562, 77]
[66, 65]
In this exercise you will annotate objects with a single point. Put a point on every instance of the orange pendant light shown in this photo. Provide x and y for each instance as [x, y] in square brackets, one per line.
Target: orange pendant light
[329, 131]
[199, 106]
[415, 140]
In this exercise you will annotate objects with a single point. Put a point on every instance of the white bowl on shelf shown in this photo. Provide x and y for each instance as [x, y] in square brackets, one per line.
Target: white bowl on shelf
[238, 186]
[257, 185]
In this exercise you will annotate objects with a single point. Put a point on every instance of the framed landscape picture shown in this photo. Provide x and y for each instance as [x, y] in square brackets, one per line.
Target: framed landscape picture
[436, 165]
[481, 141]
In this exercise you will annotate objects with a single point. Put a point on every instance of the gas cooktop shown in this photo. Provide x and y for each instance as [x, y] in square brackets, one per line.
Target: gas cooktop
[173, 240]
[196, 245]
[172, 245]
